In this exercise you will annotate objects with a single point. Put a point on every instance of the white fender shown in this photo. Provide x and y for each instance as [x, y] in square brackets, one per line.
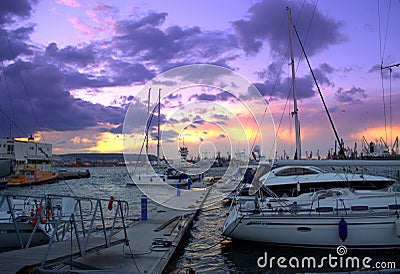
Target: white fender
[397, 227]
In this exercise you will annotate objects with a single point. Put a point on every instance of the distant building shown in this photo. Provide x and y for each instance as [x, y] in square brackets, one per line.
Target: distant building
[26, 154]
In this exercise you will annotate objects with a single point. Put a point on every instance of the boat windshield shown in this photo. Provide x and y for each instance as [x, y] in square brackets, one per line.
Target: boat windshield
[292, 171]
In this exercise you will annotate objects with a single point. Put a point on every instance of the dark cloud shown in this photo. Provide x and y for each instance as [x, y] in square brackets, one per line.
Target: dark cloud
[375, 68]
[267, 21]
[168, 136]
[386, 73]
[352, 95]
[190, 126]
[172, 100]
[185, 120]
[220, 96]
[125, 73]
[198, 121]
[153, 120]
[72, 55]
[222, 117]
[204, 97]
[172, 47]
[115, 72]
[11, 8]
[321, 73]
[117, 130]
[37, 101]
[282, 89]
[15, 43]
[276, 87]
[152, 19]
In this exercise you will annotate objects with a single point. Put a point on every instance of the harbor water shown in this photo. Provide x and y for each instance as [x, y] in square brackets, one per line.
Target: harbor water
[205, 249]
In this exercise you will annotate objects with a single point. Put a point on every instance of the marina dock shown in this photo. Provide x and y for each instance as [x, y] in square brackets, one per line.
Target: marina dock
[152, 242]
[68, 175]
[150, 246]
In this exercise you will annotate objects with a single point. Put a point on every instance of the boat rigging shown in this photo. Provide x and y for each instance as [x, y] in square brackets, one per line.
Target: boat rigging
[297, 124]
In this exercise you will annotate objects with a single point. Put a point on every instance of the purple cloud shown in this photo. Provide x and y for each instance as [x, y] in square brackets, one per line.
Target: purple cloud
[352, 95]
[267, 21]
[11, 8]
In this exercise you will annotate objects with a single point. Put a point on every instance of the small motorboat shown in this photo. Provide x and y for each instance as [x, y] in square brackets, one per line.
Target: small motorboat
[31, 176]
[23, 223]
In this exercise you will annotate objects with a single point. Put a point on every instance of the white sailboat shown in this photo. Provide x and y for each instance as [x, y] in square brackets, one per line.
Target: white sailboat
[323, 218]
[327, 218]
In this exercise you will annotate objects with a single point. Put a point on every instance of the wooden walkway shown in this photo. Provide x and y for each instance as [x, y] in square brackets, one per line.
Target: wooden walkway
[12, 261]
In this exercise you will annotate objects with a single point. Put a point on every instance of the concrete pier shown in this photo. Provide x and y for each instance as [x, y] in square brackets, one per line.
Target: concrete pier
[68, 175]
[152, 242]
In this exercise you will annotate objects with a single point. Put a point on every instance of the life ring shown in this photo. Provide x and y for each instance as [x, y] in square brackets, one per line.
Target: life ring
[37, 215]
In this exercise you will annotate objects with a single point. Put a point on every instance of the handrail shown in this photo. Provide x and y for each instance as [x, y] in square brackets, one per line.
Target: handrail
[47, 216]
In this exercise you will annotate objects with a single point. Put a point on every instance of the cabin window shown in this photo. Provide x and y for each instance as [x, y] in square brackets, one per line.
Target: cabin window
[10, 149]
[295, 171]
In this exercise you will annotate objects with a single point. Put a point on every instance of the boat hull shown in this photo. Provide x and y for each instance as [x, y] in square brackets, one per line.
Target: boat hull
[48, 179]
[9, 239]
[314, 231]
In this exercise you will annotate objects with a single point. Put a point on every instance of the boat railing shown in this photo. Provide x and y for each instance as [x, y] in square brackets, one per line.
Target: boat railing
[64, 217]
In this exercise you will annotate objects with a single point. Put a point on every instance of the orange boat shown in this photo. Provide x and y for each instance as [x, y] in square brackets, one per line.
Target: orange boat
[31, 176]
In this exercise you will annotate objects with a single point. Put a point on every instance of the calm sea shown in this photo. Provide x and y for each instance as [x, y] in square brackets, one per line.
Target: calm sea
[205, 250]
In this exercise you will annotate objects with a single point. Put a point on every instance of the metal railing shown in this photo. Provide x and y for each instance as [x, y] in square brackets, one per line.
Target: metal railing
[62, 218]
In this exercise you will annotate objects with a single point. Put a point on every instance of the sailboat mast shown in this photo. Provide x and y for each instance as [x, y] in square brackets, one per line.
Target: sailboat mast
[158, 127]
[148, 123]
[295, 110]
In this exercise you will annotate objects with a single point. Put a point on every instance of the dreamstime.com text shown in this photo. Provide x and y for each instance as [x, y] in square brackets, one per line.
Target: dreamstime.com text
[335, 261]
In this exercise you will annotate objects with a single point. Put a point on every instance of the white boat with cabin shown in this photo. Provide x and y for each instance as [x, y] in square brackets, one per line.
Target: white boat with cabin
[321, 219]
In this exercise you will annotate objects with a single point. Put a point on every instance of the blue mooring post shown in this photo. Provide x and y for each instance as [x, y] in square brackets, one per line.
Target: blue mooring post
[144, 207]
[178, 190]
[189, 183]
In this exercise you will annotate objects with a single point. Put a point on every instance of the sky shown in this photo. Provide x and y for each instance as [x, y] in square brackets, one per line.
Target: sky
[71, 70]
